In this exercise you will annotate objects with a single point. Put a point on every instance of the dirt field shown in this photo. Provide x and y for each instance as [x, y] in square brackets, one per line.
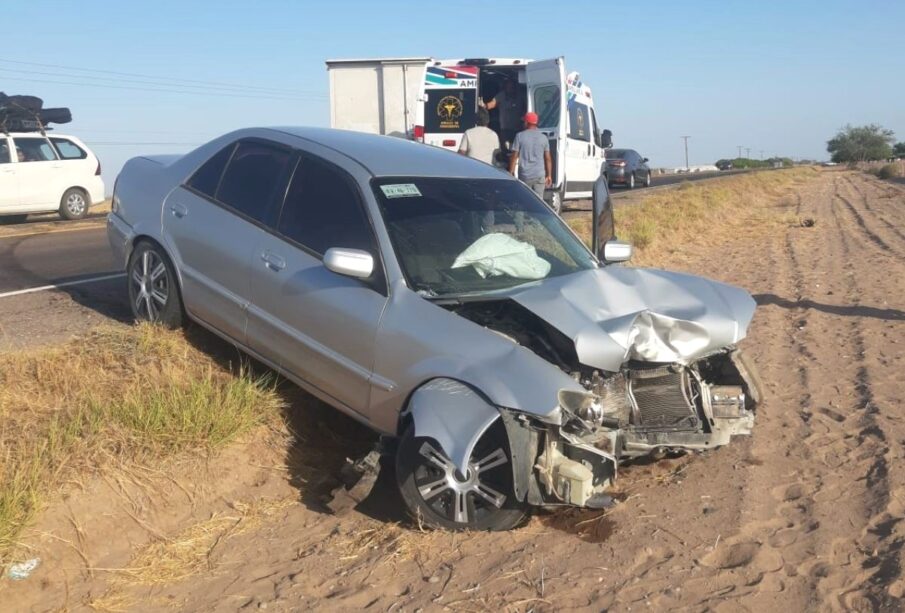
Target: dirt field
[805, 515]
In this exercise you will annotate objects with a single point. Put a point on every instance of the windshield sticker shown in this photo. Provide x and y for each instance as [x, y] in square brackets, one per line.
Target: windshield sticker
[400, 190]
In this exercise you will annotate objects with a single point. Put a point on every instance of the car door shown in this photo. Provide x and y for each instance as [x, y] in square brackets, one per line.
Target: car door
[37, 173]
[210, 225]
[9, 184]
[313, 323]
[581, 170]
[598, 152]
[546, 81]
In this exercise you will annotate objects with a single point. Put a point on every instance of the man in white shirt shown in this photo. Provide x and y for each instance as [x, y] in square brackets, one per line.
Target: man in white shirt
[480, 142]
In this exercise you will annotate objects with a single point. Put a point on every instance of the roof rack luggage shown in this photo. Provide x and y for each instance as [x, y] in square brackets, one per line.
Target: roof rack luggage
[26, 114]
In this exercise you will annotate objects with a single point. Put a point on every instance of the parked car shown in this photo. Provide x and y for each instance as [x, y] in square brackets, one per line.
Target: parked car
[627, 167]
[439, 301]
[41, 174]
[724, 165]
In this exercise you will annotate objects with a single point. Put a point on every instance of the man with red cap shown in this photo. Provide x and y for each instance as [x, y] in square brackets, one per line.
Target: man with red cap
[531, 153]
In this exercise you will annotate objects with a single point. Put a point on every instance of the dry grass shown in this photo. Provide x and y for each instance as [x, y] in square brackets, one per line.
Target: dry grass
[664, 222]
[116, 397]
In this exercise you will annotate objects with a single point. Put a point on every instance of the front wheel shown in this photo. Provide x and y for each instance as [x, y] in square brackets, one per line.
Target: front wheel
[647, 179]
[153, 288]
[74, 204]
[439, 496]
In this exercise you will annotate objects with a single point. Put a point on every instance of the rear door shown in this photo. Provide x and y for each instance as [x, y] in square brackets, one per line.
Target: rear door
[9, 186]
[39, 173]
[546, 81]
[210, 224]
[450, 104]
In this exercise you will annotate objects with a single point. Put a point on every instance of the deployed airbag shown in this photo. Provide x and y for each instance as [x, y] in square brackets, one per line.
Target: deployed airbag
[498, 254]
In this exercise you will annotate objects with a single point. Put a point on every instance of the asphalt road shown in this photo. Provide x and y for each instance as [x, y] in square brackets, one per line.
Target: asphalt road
[62, 255]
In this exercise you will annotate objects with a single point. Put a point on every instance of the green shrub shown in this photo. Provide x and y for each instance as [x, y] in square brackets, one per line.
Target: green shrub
[889, 171]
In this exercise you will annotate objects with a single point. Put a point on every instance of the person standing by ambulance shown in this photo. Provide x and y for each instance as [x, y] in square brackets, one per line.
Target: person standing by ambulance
[511, 107]
[480, 142]
[531, 153]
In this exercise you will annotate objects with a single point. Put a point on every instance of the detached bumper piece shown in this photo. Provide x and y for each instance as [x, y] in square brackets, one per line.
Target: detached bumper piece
[643, 409]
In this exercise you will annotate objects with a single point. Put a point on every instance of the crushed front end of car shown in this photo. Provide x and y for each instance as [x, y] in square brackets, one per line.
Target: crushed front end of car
[643, 408]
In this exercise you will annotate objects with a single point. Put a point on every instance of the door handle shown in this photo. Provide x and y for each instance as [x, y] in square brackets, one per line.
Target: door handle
[273, 261]
[178, 210]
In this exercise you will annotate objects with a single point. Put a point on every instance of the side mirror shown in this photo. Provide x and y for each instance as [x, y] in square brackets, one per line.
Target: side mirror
[606, 139]
[645, 160]
[349, 262]
[603, 228]
[617, 251]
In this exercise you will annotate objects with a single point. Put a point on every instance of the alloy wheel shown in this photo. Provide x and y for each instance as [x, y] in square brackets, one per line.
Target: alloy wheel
[463, 499]
[151, 286]
[75, 204]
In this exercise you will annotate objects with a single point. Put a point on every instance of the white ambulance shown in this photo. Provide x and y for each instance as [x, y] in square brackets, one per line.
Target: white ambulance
[435, 101]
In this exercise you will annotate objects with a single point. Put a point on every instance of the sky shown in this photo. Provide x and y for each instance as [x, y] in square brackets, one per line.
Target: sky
[779, 78]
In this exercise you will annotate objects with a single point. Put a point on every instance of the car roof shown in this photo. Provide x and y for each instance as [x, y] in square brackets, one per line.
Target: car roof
[387, 156]
[38, 134]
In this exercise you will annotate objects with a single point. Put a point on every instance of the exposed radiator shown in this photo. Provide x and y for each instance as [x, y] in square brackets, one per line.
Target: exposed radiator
[660, 400]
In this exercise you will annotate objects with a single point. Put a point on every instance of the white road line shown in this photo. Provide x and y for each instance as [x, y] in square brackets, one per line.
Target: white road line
[44, 288]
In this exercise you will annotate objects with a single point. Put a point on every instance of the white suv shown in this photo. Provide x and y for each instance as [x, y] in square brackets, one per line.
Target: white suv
[40, 174]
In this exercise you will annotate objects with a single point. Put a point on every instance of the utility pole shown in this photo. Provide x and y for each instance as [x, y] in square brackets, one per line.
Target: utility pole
[685, 138]
[739, 150]
[748, 152]
[761, 154]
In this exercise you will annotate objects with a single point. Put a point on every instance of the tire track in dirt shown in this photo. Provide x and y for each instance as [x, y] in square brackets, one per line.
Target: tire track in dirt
[875, 214]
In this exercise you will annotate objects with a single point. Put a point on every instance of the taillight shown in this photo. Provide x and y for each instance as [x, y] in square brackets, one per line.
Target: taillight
[419, 134]
[617, 163]
[449, 143]
[97, 172]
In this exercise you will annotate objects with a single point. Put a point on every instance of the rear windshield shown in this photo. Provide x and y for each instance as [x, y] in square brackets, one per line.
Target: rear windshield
[469, 236]
[448, 111]
[617, 154]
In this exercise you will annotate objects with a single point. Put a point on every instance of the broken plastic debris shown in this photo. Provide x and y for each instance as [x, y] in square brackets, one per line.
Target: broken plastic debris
[22, 570]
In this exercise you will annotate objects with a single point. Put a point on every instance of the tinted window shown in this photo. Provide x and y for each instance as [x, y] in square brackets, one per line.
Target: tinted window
[253, 178]
[579, 122]
[546, 105]
[4, 152]
[207, 178]
[34, 150]
[68, 150]
[323, 210]
[617, 154]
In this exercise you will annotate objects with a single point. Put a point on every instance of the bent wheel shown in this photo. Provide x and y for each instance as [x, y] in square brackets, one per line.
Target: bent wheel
[439, 496]
[153, 289]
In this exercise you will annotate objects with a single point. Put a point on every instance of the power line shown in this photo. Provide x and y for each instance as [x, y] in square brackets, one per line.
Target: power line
[162, 90]
[145, 76]
[204, 88]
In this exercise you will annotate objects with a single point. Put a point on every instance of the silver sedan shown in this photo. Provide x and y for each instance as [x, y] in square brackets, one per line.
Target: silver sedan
[439, 301]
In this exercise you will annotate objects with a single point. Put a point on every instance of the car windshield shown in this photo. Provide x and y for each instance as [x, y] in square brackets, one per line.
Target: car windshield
[467, 236]
[617, 154]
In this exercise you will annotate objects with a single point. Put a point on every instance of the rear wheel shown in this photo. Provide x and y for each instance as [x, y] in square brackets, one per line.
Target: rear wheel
[439, 496]
[647, 179]
[74, 204]
[153, 289]
[631, 181]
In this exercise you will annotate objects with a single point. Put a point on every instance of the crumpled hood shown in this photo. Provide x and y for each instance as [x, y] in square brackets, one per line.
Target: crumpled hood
[614, 314]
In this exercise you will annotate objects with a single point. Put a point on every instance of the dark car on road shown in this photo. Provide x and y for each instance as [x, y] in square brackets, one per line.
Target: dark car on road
[626, 167]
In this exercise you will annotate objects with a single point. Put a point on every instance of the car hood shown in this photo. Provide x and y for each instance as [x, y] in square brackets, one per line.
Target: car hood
[615, 314]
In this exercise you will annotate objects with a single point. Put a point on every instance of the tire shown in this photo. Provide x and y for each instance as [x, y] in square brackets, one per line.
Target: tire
[431, 489]
[74, 204]
[647, 179]
[153, 287]
[631, 181]
[12, 219]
